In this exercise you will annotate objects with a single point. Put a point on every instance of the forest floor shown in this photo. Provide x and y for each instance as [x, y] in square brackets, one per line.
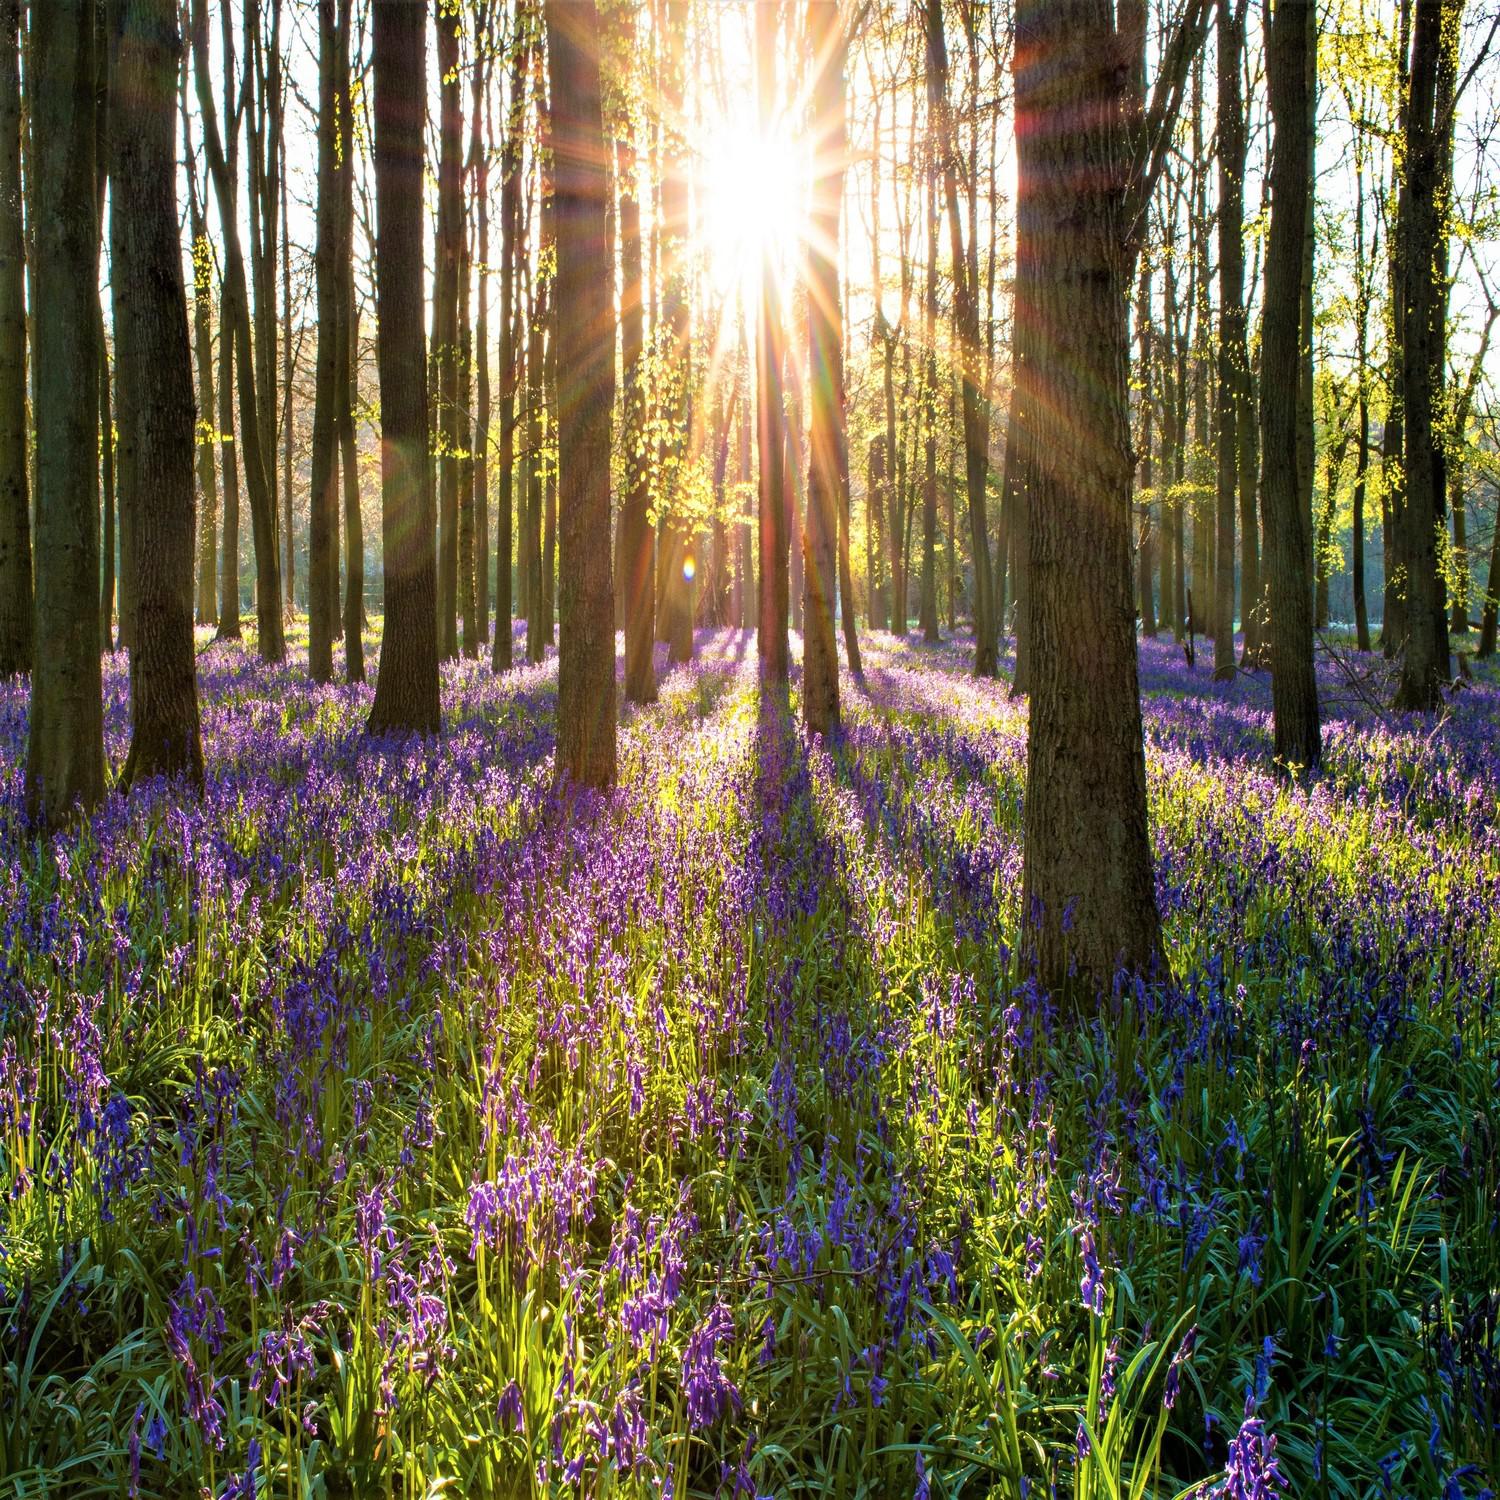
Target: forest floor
[379, 1124]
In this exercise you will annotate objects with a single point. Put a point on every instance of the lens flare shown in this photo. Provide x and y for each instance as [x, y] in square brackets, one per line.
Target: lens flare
[689, 569]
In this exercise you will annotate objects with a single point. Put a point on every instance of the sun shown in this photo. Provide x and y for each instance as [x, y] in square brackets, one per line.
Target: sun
[753, 204]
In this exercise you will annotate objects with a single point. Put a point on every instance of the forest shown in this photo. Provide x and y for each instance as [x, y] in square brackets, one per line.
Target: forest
[750, 749]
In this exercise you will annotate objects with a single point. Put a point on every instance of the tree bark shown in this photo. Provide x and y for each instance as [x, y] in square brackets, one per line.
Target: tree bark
[251, 449]
[820, 656]
[637, 562]
[1233, 356]
[1088, 902]
[585, 364]
[771, 632]
[65, 744]
[1294, 688]
[1426, 666]
[406, 691]
[322, 527]
[510, 236]
[156, 395]
[15, 498]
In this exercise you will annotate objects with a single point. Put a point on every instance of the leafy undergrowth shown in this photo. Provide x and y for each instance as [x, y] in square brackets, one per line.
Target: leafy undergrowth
[383, 1125]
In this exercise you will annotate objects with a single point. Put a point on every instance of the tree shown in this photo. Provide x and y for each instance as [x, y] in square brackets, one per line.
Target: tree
[65, 745]
[1288, 521]
[252, 449]
[772, 644]
[156, 411]
[1088, 901]
[511, 242]
[966, 326]
[820, 654]
[406, 691]
[636, 564]
[1233, 356]
[322, 529]
[585, 393]
[445, 319]
[1425, 665]
[348, 356]
[15, 499]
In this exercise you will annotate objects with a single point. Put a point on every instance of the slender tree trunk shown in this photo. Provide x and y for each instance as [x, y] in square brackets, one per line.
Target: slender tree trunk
[445, 321]
[65, 744]
[510, 237]
[251, 449]
[322, 576]
[1087, 892]
[406, 691]
[464, 423]
[966, 326]
[107, 493]
[1232, 351]
[927, 608]
[15, 497]
[820, 657]
[637, 563]
[1491, 616]
[536, 437]
[585, 364]
[479, 163]
[208, 486]
[1294, 688]
[1425, 667]
[1145, 547]
[771, 632]
[156, 395]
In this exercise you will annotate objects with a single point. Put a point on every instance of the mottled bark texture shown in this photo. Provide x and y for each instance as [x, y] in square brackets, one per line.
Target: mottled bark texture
[820, 653]
[15, 497]
[406, 691]
[65, 745]
[1088, 901]
[585, 393]
[1294, 688]
[156, 413]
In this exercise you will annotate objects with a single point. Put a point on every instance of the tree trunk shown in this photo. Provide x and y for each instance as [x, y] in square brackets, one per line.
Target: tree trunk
[156, 395]
[1087, 898]
[252, 451]
[820, 656]
[445, 320]
[971, 358]
[15, 498]
[511, 248]
[1145, 595]
[463, 418]
[771, 630]
[1425, 667]
[1294, 688]
[479, 164]
[208, 487]
[65, 745]
[348, 366]
[927, 606]
[637, 562]
[1232, 351]
[585, 364]
[406, 691]
[322, 525]
[536, 438]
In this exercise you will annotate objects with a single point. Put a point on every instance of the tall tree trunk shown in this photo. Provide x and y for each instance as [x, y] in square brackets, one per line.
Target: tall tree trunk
[1294, 687]
[971, 358]
[1145, 588]
[1233, 356]
[511, 248]
[406, 691]
[208, 486]
[1087, 898]
[927, 606]
[346, 380]
[1425, 667]
[65, 744]
[637, 562]
[1490, 618]
[156, 395]
[322, 525]
[820, 656]
[251, 448]
[585, 364]
[536, 438]
[15, 498]
[445, 320]
[479, 166]
[771, 631]
[464, 422]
